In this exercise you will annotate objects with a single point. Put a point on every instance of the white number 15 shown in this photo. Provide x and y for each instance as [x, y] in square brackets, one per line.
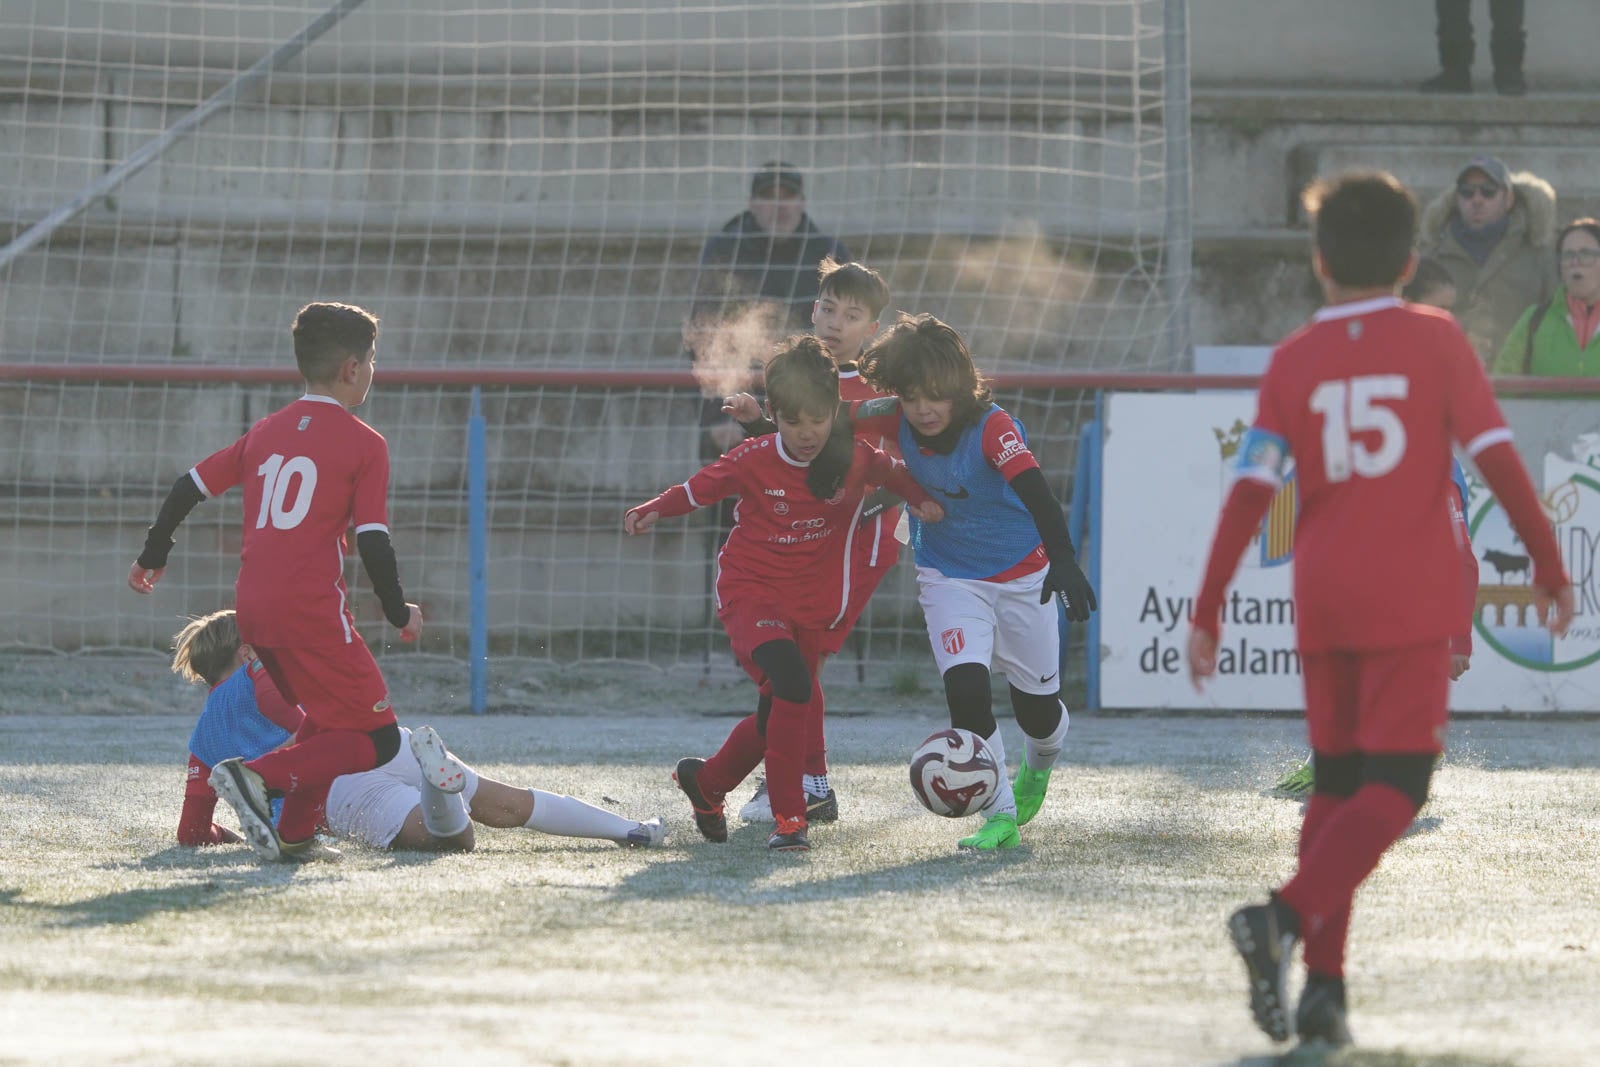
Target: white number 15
[1348, 406]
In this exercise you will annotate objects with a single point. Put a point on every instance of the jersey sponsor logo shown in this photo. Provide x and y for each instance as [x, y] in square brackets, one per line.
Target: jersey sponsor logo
[773, 624]
[958, 493]
[780, 508]
[1045, 678]
[1011, 447]
[194, 772]
[953, 640]
[773, 492]
[808, 524]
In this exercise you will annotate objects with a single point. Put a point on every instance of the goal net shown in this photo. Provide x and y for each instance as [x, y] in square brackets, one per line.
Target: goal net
[522, 192]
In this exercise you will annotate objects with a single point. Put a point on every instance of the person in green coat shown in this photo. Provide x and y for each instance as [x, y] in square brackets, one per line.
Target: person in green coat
[1565, 341]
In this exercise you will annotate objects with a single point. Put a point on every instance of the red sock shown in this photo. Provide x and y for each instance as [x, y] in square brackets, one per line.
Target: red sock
[1324, 949]
[786, 739]
[734, 761]
[302, 771]
[1343, 852]
[816, 742]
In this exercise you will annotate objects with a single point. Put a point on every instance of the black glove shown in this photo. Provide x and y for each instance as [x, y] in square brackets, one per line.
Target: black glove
[1065, 579]
[876, 504]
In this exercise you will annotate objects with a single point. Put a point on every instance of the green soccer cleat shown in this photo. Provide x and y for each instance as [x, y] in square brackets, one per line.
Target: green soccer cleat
[1029, 789]
[1296, 785]
[997, 832]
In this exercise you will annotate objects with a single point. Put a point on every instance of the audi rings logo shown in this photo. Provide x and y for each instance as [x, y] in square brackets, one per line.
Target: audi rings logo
[808, 524]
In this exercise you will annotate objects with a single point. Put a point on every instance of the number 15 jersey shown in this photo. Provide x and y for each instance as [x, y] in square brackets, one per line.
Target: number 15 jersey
[310, 471]
[1367, 399]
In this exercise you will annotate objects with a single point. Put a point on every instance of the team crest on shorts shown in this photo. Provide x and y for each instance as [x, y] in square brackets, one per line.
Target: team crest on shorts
[953, 640]
[381, 706]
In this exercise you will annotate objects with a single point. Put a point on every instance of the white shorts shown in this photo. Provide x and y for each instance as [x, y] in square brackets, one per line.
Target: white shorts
[1001, 625]
[372, 806]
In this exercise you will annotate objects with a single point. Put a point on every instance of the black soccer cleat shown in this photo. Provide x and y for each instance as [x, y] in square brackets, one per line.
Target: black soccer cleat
[824, 808]
[708, 817]
[789, 836]
[1264, 936]
[1321, 1015]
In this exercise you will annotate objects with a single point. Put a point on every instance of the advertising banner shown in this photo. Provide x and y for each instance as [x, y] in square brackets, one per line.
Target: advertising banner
[1166, 469]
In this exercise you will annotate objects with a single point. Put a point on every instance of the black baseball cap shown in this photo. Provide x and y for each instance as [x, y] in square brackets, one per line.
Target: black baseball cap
[777, 172]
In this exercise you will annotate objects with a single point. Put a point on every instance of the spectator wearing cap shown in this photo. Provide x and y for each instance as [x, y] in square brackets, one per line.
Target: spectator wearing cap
[1494, 232]
[1560, 338]
[763, 259]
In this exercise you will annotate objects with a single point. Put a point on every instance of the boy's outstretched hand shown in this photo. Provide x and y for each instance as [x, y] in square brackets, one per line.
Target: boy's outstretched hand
[638, 522]
[1555, 610]
[1066, 580]
[143, 580]
[928, 511]
[1202, 657]
[742, 406]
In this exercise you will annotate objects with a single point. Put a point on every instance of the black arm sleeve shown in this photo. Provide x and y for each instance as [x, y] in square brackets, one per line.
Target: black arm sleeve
[377, 555]
[759, 427]
[1041, 503]
[182, 498]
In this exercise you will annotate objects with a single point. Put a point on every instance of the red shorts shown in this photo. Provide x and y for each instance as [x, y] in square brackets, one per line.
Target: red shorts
[1393, 700]
[753, 614]
[339, 685]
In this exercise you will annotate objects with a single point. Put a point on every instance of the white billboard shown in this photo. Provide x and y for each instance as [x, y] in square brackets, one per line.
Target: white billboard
[1165, 472]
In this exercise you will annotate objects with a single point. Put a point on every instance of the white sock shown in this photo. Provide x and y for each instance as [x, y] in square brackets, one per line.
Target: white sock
[1004, 802]
[1041, 753]
[570, 817]
[816, 784]
[443, 814]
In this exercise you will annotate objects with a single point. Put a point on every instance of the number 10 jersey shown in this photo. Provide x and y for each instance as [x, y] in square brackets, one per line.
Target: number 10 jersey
[310, 471]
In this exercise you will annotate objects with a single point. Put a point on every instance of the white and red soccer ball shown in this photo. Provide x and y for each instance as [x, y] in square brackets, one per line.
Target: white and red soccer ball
[953, 773]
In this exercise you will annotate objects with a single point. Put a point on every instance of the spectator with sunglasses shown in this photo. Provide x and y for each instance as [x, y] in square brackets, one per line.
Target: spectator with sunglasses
[1560, 337]
[1493, 231]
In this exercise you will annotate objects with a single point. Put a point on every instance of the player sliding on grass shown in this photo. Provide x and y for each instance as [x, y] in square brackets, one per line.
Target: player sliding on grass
[850, 298]
[423, 799]
[1367, 399]
[986, 573]
[310, 471]
[783, 579]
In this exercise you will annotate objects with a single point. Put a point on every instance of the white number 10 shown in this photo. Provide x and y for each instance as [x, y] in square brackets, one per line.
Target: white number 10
[1347, 406]
[275, 504]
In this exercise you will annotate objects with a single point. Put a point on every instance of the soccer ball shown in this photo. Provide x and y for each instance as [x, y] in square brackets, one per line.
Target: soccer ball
[953, 773]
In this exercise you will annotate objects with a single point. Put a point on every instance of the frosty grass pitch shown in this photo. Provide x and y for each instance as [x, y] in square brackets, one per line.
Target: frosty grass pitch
[1099, 942]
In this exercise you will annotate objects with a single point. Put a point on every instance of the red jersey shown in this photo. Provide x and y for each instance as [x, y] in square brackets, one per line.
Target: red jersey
[1367, 399]
[875, 547]
[310, 471]
[783, 536]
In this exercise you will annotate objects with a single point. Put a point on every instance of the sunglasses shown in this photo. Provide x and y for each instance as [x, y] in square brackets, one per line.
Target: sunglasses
[1586, 256]
[1487, 190]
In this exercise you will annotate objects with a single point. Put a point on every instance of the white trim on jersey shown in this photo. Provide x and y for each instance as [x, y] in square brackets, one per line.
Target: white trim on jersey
[790, 460]
[1263, 476]
[194, 473]
[690, 494]
[338, 584]
[381, 527]
[1487, 439]
[320, 399]
[849, 545]
[1360, 307]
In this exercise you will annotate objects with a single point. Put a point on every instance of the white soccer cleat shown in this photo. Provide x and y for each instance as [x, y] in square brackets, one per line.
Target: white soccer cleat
[652, 833]
[759, 809]
[246, 793]
[439, 768]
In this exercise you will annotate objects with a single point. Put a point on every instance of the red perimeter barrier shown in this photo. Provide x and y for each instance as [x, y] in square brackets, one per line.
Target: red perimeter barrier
[1079, 380]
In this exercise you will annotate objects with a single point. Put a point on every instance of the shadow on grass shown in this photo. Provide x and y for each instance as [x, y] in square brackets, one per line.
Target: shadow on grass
[223, 880]
[1321, 1056]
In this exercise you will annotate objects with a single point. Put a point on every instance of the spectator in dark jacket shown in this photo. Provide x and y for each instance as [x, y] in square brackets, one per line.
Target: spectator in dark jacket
[756, 283]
